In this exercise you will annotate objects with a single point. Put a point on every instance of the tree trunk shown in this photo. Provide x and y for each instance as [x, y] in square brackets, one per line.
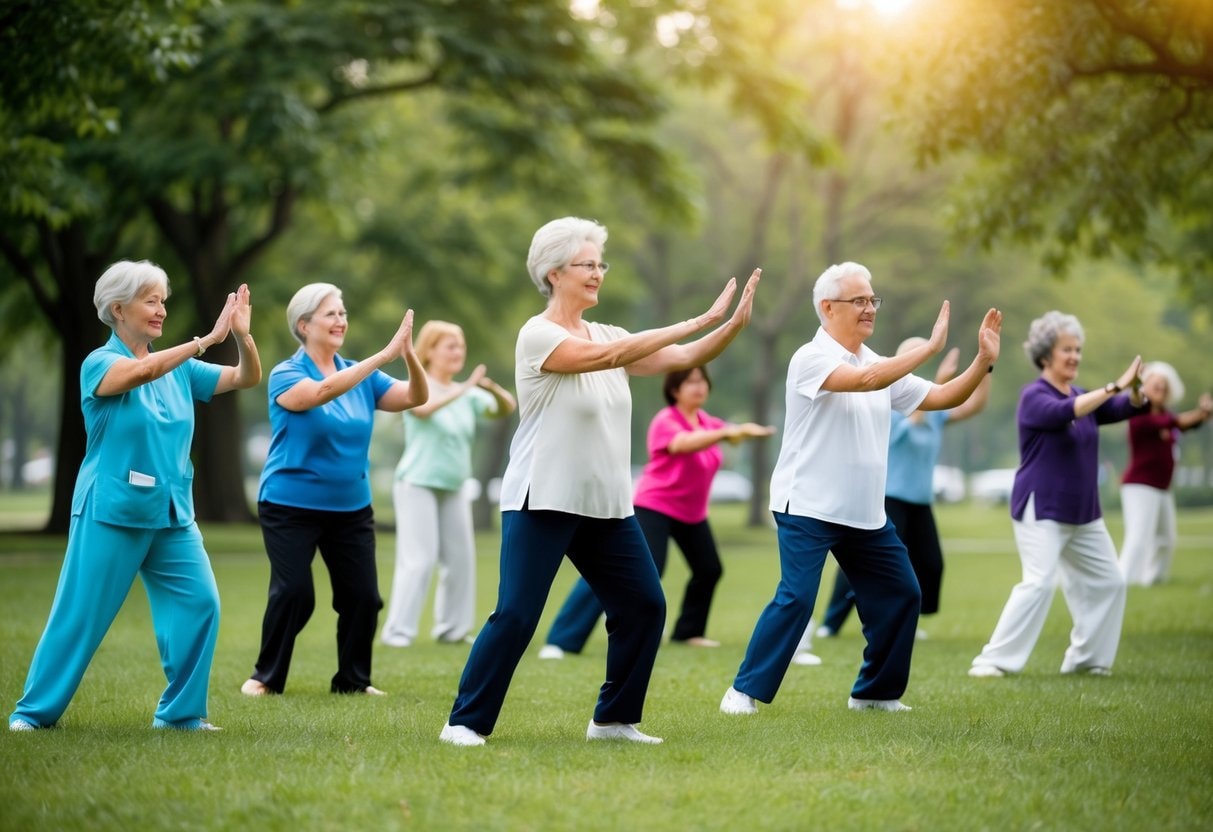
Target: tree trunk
[500, 432]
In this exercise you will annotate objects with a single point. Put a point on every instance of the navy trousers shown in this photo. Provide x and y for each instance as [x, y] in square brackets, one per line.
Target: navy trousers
[886, 595]
[580, 612]
[612, 556]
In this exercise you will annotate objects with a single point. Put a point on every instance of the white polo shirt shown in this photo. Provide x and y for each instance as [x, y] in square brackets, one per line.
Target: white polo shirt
[834, 457]
[573, 448]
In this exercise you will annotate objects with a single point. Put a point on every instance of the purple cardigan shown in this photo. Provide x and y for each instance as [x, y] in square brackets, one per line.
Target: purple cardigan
[1059, 455]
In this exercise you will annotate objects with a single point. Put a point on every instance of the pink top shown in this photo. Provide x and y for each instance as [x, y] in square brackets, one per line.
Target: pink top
[678, 484]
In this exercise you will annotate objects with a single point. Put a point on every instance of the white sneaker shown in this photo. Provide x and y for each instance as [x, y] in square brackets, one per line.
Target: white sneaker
[618, 731]
[371, 690]
[460, 735]
[825, 632]
[20, 724]
[735, 702]
[806, 659]
[986, 671]
[550, 651]
[893, 705]
[252, 687]
[396, 641]
[188, 725]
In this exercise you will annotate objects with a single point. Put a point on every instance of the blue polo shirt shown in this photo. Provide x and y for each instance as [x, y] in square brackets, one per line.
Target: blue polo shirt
[913, 451]
[136, 464]
[318, 458]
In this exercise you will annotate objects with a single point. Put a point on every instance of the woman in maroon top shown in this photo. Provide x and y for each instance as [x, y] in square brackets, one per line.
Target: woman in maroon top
[1145, 496]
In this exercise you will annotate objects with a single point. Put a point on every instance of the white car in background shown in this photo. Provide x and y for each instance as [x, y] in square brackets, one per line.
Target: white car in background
[993, 486]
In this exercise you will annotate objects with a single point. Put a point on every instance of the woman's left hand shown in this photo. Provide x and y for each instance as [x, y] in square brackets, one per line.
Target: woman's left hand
[241, 319]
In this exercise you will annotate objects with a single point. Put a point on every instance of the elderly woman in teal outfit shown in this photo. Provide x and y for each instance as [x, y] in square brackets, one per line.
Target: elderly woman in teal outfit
[133, 510]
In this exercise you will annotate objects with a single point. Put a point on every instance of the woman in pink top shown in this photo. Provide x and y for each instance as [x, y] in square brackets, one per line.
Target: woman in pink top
[1145, 495]
[671, 502]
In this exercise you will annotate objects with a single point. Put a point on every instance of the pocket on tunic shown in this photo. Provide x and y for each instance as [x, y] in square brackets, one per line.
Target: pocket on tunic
[119, 503]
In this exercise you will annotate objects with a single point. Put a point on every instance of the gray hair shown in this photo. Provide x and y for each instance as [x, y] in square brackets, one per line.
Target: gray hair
[827, 285]
[1175, 387]
[305, 303]
[1044, 332]
[556, 243]
[124, 281]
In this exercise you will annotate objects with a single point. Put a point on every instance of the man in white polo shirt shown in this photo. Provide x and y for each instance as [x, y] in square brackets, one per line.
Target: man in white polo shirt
[827, 490]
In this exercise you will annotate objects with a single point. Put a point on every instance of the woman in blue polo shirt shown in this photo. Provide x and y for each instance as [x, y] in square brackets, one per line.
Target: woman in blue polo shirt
[315, 487]
[133, 509]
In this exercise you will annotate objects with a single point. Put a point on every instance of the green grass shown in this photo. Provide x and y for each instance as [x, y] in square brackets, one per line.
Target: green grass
[1038, 751]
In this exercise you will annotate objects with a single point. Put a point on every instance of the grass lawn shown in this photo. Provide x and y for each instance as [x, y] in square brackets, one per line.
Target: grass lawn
[1037, 751]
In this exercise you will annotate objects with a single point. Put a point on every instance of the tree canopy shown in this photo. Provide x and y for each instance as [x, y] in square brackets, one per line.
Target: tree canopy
[1091, 120]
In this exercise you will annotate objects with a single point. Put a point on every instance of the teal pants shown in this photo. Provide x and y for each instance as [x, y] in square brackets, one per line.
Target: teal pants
[98, 570]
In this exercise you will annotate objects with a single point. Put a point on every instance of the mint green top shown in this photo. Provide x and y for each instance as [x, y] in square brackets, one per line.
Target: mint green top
[438, 449]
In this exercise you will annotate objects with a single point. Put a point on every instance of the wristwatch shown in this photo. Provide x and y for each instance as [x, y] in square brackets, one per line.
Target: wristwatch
[1111, 388]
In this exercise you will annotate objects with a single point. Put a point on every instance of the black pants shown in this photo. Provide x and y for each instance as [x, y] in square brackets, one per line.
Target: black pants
[915, 525]
[346, 540]
[699, 548]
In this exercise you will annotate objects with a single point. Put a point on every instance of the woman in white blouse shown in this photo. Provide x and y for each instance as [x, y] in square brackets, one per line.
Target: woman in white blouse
[567, 488]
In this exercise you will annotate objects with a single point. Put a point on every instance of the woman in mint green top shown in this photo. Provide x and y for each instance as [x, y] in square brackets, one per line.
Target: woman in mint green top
[433, 515]
[133, 508]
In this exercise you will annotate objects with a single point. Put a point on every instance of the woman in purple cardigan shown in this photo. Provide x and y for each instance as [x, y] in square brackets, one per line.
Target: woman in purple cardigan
[1058, 524]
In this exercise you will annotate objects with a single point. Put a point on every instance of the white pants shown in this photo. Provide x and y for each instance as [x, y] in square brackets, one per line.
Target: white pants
[1149, 515]
[433, 527]
[1091, 584]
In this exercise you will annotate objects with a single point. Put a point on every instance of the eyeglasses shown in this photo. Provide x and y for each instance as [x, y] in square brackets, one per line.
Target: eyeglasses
[859, 303]
[590, 265]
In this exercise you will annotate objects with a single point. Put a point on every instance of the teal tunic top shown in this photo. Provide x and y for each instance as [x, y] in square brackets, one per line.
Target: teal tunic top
[137, 470]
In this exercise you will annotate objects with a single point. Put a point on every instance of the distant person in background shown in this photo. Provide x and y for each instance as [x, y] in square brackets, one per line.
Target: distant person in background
[827, 489]
[914, 445]
[1055, 513]
[567, 490]
[671, 501]
[316, 490]
[133, 508]
[433, 514]
[1146, 500]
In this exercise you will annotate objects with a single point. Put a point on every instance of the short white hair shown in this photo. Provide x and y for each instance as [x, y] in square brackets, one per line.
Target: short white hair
[556, 244]
[1044, 332]
[827, 285]
[1175, 387]
[124, 281]
[305, 303]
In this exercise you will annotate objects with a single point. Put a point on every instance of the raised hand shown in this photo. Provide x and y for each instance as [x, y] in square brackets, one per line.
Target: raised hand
[477, 376]
[242, 312]
[715, 314]
[989, 337]
[402, 342]
[939, 333]
[223, 324]
[1130, 375]
[947, 367]
[745, 306]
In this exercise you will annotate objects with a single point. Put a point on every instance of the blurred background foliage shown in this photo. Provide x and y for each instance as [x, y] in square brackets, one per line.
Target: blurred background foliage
[1026, 155]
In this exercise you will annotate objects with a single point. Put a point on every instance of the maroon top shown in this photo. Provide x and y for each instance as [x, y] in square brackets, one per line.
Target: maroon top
[1152, 447]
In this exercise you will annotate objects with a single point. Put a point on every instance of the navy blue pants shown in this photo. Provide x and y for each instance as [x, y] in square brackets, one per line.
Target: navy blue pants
[886, 595]
[580, 613]
[612, 556]
[915, 525]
